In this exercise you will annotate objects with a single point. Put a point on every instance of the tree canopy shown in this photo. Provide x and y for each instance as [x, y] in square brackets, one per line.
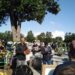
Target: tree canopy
[69, 37]
[30, 36]
[48, 37]
[7, 35]
[41, 37]
[25, 10]
[22, 10]
[59, 40]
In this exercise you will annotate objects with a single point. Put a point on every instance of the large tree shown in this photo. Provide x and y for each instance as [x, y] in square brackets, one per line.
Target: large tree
[48, 37]
[1, 36]
[59, 41]
[21, 10]
[7, 35]
[41, 37]
[69, 37]
[30, 36]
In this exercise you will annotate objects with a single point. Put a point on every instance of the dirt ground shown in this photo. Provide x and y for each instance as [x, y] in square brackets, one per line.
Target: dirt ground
[5, 72]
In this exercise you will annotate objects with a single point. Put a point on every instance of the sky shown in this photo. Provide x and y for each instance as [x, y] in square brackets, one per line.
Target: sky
[58, 24]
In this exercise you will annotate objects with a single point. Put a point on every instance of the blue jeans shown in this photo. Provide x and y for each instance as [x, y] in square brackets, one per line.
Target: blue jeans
[47, 61]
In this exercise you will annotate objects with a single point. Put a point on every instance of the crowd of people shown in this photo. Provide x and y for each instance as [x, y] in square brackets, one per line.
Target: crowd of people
[41, 54]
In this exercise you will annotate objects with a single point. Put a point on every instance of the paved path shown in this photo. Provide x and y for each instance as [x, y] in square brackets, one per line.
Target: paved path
[35, 72]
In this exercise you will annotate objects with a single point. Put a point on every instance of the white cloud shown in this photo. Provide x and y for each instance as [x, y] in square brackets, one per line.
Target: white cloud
[36, 33]
[58, 34]
[55, 26]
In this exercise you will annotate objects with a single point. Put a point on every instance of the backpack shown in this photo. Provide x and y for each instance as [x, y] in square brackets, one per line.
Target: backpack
[22, 70]
[20, 62]
[49, 50]
[46, 50]
[47, 53]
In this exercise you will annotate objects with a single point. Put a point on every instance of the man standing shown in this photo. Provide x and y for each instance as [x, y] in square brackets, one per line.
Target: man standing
[47, 54]
[20, 57]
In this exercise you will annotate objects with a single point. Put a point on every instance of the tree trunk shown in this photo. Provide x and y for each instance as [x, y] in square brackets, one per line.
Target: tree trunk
[16, 33]
[16, 27]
